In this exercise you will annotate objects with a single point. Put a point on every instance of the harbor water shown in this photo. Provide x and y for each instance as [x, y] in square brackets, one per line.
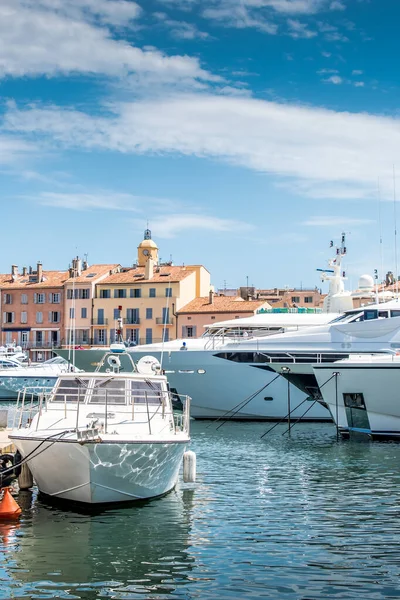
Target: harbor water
[304, 517]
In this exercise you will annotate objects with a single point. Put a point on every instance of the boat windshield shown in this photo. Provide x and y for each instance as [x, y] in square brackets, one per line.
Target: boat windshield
[70, 390]
[112, 390]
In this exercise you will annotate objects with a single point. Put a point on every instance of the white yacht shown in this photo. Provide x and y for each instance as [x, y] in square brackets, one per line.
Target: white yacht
[371, 329]
[362, 394]
[14, 376]
[104, 437]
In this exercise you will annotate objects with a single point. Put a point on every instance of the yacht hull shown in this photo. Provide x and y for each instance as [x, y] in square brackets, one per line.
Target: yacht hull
[96, 473]
[367, 399]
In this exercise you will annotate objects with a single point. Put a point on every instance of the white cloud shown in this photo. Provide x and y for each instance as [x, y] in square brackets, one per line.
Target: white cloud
[240, 17]
[168, 226]
[337, 5]
[90, 201]
[181, 29]
[299, 144]
[357, 72]
[335, 79]
[299, 30]
[359, 84]
[35, 40]
[291, 6]
[325, 71]
[326, 54]
[342, 221]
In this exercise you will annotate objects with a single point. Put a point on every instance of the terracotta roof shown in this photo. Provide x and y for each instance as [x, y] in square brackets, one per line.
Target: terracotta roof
[222, 304]
[164, 275]
[93, 272]
[50, 279]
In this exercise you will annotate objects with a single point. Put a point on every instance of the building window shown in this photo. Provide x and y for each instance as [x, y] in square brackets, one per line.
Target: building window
[24, 317]
[149, 313]
[136, 293]
[39, 337]
[212, 318]
[120, 293]
[165, 334]
[8, 317]
[24, 298]
[7, 299]
[84, 294]
[39, 317]
[308, 299]
[189, 318]
[101, 336]
[54, 316]
[55, 298]
[105, 293]
[152, 292]
[189, 332]
[296, 299]
[72, 313]
[40, 298]
[83, 313]
[149, 336]
[116, 313]
[168, 292]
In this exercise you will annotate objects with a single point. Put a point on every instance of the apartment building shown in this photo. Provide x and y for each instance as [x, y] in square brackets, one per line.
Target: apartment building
[147, 296]
[32, 309]
[80, 291]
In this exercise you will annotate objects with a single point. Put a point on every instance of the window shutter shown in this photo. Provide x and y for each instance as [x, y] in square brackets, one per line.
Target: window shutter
[35, 298]
[50, 320]
[12, 317]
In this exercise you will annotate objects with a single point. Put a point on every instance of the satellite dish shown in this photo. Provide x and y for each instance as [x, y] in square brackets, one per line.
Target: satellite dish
[148, 365]
[114, 362]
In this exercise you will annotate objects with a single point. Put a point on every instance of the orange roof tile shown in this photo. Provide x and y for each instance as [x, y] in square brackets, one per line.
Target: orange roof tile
[92, 272]
[222, 304]
[50, 279]
[163, 275]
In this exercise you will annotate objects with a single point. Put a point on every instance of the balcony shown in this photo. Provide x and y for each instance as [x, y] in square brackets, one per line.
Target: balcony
[131, 321]
[40, 345]
[99, 321]
[162, 321]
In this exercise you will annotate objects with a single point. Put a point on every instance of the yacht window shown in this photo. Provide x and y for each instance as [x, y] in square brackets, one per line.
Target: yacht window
[383, 314]
[146, 390]
[112, 390]
[370, 314]
[70, 390]
[395, 313]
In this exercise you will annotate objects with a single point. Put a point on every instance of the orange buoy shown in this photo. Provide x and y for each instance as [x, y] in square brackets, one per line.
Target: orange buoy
[9, 509]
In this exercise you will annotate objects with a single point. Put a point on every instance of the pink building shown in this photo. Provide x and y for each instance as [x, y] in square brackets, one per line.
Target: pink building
[31, 309]
[200, 312]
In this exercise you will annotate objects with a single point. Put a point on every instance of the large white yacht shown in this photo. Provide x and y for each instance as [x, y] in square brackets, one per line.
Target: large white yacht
[362, 394]
[371, 329]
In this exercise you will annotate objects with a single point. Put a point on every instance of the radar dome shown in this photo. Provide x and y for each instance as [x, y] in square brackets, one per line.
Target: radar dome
[365, 282]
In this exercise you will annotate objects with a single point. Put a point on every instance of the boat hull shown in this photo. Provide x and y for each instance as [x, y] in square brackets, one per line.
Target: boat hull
[97, 473]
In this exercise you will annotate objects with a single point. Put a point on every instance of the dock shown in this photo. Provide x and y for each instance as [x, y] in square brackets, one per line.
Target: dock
[5, 444]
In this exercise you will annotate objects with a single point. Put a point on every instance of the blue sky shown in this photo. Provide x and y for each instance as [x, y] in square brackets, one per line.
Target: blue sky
[248, 133]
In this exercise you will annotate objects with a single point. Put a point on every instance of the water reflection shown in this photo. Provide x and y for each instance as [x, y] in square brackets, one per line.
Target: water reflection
[115, 553]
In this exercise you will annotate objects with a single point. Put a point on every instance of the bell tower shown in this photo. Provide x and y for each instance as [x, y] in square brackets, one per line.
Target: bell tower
[147, 249]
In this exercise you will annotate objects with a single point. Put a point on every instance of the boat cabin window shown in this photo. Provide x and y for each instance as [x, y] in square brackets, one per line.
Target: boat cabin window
[395, 313]
[371, 314]
[143, 391]
[70, 390]
[112, 390]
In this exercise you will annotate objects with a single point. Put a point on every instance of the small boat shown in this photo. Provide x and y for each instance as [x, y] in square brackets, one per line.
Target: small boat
[14, 376]
[104, 437]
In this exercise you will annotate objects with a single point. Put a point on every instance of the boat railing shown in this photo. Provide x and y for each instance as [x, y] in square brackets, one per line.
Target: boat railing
[133, 406]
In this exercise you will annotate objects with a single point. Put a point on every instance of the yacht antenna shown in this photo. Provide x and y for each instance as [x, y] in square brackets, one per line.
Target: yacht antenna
[380, 228]
[395, 230]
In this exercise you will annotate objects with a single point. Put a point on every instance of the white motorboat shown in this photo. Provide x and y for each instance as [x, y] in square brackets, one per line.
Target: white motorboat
[40, 377]
[104, 437]
[362, 395]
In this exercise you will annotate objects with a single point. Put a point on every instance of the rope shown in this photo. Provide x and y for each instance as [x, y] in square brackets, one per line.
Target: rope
[241, 405]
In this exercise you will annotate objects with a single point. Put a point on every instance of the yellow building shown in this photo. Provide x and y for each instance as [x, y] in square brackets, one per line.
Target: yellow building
[147, 296]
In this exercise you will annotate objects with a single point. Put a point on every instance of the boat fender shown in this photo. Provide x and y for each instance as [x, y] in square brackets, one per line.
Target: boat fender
[25, 479]
[189, 467]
